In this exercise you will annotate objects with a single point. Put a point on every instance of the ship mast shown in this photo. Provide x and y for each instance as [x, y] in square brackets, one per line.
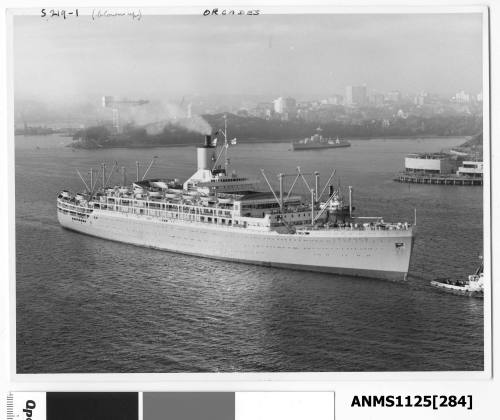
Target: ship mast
[113, 170]
[124, 176]
[91, 177]
[149, 167]
[315, 196]
[83, 180]
[92, 185]
[326, 185]
[103, 166]
[224, 147]
[313, 191]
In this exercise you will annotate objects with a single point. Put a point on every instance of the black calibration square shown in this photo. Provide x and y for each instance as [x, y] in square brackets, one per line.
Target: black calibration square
[92, 405]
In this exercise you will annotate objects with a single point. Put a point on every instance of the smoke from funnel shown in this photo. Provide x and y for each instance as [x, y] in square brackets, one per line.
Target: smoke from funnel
[155, 116]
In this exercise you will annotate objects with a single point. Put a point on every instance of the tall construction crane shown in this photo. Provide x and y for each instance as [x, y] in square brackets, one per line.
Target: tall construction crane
[115, 105]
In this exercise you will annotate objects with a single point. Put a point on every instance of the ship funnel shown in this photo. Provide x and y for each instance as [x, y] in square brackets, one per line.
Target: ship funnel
[331, 190]
[206, 154]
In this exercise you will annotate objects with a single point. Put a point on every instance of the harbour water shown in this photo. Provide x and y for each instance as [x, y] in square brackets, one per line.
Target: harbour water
[91, 305]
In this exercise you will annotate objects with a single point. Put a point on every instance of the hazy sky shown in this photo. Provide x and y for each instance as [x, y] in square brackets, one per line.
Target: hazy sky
[268, 54]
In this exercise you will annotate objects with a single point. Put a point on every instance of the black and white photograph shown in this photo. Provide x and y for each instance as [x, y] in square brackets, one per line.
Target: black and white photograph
[228, 190]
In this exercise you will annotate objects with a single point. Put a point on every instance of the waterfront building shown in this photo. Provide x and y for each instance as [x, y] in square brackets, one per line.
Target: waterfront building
[441, 169]
[472, 169]
[430, 163]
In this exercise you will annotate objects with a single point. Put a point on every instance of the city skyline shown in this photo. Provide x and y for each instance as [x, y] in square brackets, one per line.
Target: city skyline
[272, 55]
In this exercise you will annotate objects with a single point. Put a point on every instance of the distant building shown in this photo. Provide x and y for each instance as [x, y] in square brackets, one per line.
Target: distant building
[377, 99]
[242, 112]
[355, 95]
[420, 99]
[336, 100]
[394, 96]
[461, 97]
[285, 107]
[263, 110]
[402, 114]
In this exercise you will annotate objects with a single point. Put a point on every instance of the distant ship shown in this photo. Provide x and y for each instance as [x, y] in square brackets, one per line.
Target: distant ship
[219, 214]
[317, 141]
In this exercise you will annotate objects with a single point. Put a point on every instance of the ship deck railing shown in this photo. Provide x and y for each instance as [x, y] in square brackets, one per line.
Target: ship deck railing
[182, 212]
[70, 206]
[383, 227]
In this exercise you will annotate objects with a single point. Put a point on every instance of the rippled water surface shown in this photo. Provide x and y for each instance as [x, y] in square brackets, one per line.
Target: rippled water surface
[91, 305]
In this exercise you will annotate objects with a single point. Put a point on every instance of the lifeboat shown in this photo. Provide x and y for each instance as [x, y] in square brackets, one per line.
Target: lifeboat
[212, 199]
[79, 196]
[123, 190]
[225, 200]
[65, 194]
[169, 194]
[160, 184]
[155, 194]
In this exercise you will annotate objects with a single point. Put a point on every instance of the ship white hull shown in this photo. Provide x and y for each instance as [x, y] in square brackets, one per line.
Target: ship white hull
[366, 253]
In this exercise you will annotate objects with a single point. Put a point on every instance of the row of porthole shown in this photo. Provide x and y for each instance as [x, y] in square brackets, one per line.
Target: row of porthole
[293, 239]
[260, 246]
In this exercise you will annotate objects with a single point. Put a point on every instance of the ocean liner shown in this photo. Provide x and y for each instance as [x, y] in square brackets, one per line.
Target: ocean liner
[219, 214]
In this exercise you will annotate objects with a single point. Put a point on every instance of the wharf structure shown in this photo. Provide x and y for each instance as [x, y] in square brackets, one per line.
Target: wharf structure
[441, 169]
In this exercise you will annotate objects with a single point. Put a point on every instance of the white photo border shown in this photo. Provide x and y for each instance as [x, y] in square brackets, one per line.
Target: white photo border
[251, 381]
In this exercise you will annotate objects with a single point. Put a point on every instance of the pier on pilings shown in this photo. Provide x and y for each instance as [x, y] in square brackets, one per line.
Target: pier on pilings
[438, 179]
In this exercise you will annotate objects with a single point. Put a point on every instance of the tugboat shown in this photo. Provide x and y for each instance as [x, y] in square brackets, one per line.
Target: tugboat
[473, 286]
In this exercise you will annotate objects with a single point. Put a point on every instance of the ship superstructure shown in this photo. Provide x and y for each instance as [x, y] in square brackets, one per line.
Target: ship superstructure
[317, 141]
[219, 214]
